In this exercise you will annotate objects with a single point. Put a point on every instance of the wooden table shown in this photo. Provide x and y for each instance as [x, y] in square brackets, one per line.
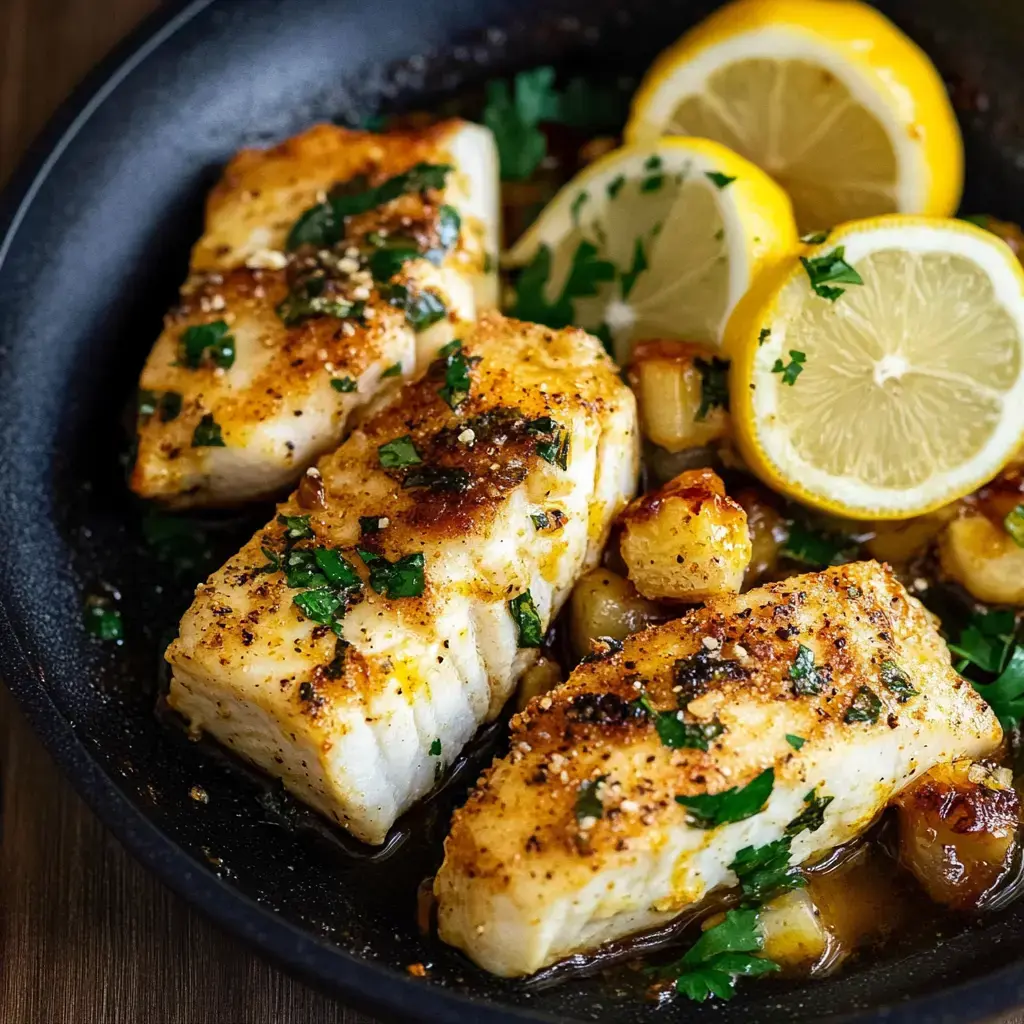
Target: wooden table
[86, 935]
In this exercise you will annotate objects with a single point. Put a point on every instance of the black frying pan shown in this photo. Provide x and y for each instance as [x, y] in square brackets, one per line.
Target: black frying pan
[94, 238]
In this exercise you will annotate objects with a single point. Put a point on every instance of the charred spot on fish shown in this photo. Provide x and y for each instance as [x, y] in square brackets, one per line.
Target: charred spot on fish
[693, 675]
[600, 708]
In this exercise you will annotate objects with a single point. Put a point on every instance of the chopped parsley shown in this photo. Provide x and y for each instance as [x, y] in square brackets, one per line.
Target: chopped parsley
[796, 742]
[529, 631]
[338, 571]
[540, 520]
[1014, 525]
[421, 308]
[992, 661]
[817, 547]
[764, 872]
[168, 405]
[722, 954]
[806, 677]
[628, 279]
[896, 681]
[399, 453]
[345, 385]
[371, 524]
[319, 605]
[737, 803]
[718, 179]
[513, 115]
[401, 578]
[828, 270]
[588, 799]
[391, 255]
[394, 370]
[553, 441]
[207, 433]
[306, 300]
[449, 223]
[791, 370]
[763, 335]
[812, 817]
[456, 374]
[323, 225]
[208, 341]
[103, 620]
[438, 478]
[296, 528]
[815, 237]
[864, 707]
[677, 734]
[585, 276]
[435, 748]
[614, 186]
[714, 385]
[577, 205]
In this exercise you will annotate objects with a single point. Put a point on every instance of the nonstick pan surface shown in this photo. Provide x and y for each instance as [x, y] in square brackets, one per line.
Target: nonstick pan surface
[94, 238]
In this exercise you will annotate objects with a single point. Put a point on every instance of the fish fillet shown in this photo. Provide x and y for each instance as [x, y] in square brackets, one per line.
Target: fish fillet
[576, 837]
[246, 387]
[505, 466]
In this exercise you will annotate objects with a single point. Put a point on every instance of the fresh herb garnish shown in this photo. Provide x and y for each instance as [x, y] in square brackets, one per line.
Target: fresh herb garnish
[391, 255]
[210, 341]
[399, 453]
[553, 443]
[438, 478]
[764, 872]
[896, 681]
[734, 804]
[714, 385]
[829, 269]
[615, 185]
[988, 648]
[394, 370]
[540, 520]
[319, 605]
[323, 225]
[815, 237]
[296, 528]
[435, 748]
[307, 300]
[449, 223]
[103, 620]
[677, 734]
[763, 335]
[588, 799]
[791, 370]
[207, 433]
[1014, 525]
[338, 571]
[812, 817]
[655, 179]
[529, 631]
[402, 578]
[722, 954]
[370, 524]
[577, 205]
[718, 179]
[456, 374]
[864, 707]
[796, 742]
[806, 677]
[513, 115]
[345, 385]
[628, 279]
[168, 405]
[421, 308]
[816, 547]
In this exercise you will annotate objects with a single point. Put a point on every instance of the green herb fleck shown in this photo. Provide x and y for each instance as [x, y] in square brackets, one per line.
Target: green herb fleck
[763, 335]
[638, 266]
[832, 267]
[588, 799]
[513, 115]
[714, 385]
[168, 405]
[103, 620]
[435, 748]
[456, 374]
[296, 527]
[553, 445]
[438, 478]
[815, 238]
[370, 524]
[421, 309]
[812, 817]
[338, 571]
[718, 179]
[540, 520]
[764, 871]
[319, 605]
[529, 631]
[394, 370]
[402, 578]
[993, 662]
[791, 370]
[897, 681]
[677, 734]
[806, 677]
[614, 186]
[345, 385]
[577, 205]
[1014, 525]
[817, 547]
[734, 804]
[796, 742]
[399, 453]
[864, 707]
[207, 433]
[207, 340]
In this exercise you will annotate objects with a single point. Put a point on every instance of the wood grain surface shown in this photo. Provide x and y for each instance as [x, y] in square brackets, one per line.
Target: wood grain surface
[87, 936]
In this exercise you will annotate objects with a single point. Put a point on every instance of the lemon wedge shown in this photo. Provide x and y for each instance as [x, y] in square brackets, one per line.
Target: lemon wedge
[827, 96]
[881, 373]
[656, 241]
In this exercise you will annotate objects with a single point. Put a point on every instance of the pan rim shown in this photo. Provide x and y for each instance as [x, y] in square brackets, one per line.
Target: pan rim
[375, 989]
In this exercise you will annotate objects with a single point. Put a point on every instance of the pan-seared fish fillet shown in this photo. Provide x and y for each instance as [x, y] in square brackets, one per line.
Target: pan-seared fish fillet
[283, 331]
[504, 496]
[545, 861]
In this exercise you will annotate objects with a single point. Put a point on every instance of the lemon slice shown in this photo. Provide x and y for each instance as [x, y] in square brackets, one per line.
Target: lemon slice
[882, 375]
[655, 241]
[828, 97]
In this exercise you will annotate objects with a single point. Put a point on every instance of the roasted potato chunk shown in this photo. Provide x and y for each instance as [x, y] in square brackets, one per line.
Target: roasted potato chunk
[682, 393]
[603, 604]
[686, 541]
[543, 675]
[982, 556]
[958, 823]
[898, 541]
[794, 932]
[768, 532]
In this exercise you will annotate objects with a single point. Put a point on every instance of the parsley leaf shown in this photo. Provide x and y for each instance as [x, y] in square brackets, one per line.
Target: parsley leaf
[737, 803]
[816, 547]
[791, 370]
[1005, 695]
[370, 524]
[103, 620]
[1014, 525]
[338, 570]
[319, 605]
[421, 308]
[796, 742]
[718, 179]
[588, 799]
[398, 453]
[208, 340]
[628, 279]
[438, 478]
[763, 335]
[677, 734]
[897, 681]
[805, 676]
[401, 578]
[435, 748]
[553, 442]
[167, 404]
[296, 527]
[345, 385]
[391, 255]
[831, 267]
[456, 375]
[812, 817]
[864, 707]
[764, 872]
[394, 370]
[306, 301]
[527, 619]
[513, 114]
[207, 433]
[714, 385]
[586, 274]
